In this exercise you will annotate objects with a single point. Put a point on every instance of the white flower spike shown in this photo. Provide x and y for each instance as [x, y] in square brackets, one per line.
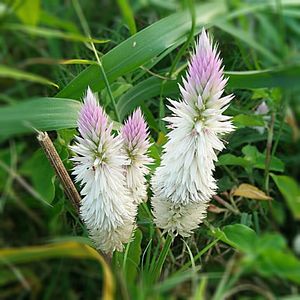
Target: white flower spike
[106, 208]
[136, 145]
[184, 182]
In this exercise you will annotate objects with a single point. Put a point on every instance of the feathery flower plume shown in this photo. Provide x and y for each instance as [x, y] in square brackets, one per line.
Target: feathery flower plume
[106, 206]
[184, 182]
[135, 145]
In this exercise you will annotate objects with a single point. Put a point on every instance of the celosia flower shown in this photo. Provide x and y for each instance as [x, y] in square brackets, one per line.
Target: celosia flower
[135, 145]
[185, 176]
[106, 206]
[177, 218]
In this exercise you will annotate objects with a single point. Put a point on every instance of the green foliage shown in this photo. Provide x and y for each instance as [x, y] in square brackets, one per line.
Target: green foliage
[247, 247]
[41, 173]
[291, 191]
[266, 254]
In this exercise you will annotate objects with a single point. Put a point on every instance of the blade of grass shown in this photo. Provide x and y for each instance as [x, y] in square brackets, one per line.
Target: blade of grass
[8, 72]
[135, 51]
[52, 33]
[127, 15]
[285, 77]
[246, 38]
[86, 29]
[40, 113]
[161, 258]
[56, 250]
[198, 256]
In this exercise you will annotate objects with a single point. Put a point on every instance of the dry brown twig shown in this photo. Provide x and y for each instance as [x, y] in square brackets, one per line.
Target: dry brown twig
[62, 174]
[59, 169]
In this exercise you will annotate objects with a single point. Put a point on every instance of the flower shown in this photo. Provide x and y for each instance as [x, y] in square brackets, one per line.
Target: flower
[177, 218]
[185, 176]
[106, 206]
[136, 144]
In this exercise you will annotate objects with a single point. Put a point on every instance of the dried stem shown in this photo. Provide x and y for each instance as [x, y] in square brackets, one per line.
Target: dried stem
[226, 204]
[59, 169]
[63, 176]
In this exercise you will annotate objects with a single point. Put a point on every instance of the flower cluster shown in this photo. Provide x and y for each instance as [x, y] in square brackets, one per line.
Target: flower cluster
[111, 169]
[136, 144]
[184, 182]
[103, 168]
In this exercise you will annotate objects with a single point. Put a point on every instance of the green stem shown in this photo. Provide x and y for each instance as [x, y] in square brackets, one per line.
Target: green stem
[175, 62]
[190, 37]
[198, 256]
[268, 152]
[162, 258]
[87, 32]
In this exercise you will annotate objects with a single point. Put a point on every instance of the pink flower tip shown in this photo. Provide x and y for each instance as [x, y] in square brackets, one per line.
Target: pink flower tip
[135, 131]
[92, 118]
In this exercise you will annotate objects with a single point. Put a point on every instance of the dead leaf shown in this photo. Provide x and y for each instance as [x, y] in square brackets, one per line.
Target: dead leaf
[250, 191]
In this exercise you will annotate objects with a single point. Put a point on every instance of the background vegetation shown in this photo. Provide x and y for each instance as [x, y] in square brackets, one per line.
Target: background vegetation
[51, 50]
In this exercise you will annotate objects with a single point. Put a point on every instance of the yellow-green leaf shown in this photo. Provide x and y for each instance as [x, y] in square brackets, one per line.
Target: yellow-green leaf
[250, 191]
[28, 11]
[55, 250]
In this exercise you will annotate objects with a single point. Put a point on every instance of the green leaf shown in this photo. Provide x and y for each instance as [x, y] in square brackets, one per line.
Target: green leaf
[133, 257]
[290, 190]
[246, 38]
[40, 113]
[279, 263]
[127, 15]
[29, 11]
[253, 158]
[57, 250]
[232, 160]
[248, 120]
[265, 254]
[41, 173]
[7, 72]
[161, 259]
[52, 33]
[271, 241]
[143, 91]
[240, 237]
[285, 77]
[136, 50]
[258, 159]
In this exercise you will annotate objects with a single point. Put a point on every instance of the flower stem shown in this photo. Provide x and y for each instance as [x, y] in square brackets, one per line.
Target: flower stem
[268, 152]
[87, 32]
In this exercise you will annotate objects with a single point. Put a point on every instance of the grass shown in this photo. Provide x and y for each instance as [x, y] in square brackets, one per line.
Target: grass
[133, 53]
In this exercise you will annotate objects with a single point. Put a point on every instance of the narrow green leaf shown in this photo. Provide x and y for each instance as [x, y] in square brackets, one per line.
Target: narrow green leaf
[7, 72]
[52, 33]
[133, 258]
[56, 250]
[246, 38]
[135, 51]
[39, 113]
[285, 77]
[143, 91]
[127, 15]
[161, 259]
